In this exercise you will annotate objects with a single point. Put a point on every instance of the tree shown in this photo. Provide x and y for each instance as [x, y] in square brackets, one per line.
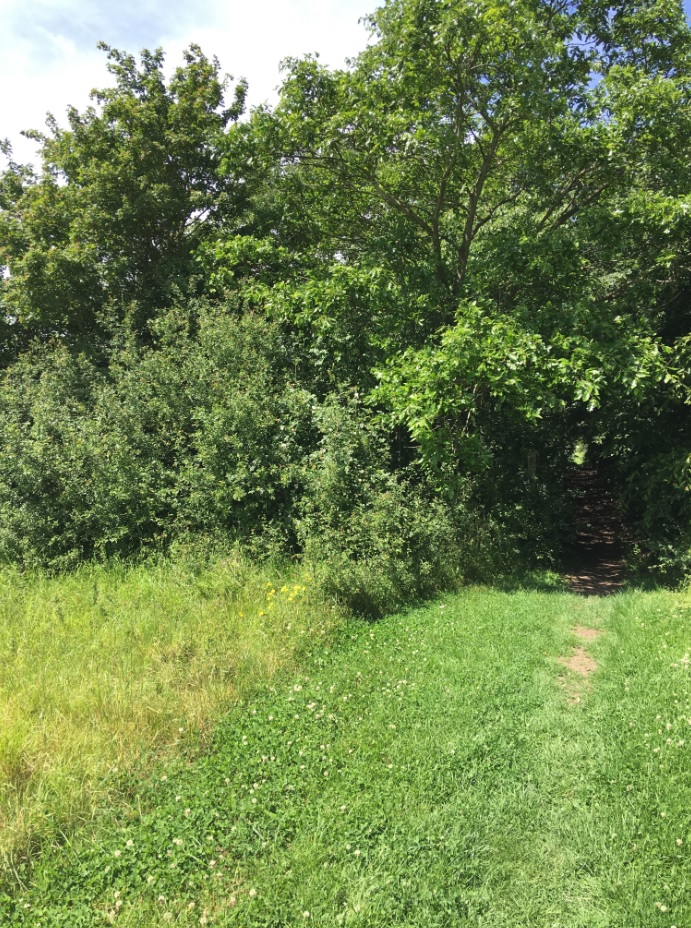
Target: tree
[445, 123]
[495, 158]
[109, 227]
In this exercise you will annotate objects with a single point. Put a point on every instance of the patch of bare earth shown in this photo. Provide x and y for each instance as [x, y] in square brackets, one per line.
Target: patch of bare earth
[597, 568]
[587, 634]
[580, 663]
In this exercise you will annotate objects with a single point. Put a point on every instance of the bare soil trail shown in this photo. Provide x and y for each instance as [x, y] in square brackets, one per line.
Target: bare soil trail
[597, 568]
[597, 565]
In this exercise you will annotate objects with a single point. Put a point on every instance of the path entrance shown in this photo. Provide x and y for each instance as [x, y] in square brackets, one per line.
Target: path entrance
[597, 563]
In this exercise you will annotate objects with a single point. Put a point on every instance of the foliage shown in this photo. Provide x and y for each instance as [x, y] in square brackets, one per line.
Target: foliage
[108, 229]
[480, 227]
[375, 540]
[518, 166]
[195, 435]
[365, 330]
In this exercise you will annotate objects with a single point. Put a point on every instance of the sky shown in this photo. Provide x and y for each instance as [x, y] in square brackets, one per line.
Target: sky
[49, 59]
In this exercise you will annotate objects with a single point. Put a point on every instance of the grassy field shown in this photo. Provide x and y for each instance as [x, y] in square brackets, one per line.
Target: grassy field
[108, 666]
[440, 768]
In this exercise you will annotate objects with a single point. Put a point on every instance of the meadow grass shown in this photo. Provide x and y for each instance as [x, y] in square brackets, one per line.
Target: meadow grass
[109, 665]
[433, 769]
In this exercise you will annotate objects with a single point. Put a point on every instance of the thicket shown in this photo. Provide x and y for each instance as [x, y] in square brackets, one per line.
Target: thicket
[367, 326]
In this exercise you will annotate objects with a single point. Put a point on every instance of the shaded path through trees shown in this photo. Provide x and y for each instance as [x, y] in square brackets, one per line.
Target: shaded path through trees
[597, 563]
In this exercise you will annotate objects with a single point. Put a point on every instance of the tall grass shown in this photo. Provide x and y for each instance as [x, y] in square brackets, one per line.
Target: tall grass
[107, 665]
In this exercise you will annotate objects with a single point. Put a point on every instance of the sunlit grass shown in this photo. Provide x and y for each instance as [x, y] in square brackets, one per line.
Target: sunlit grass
[105, 666]
[431, 770]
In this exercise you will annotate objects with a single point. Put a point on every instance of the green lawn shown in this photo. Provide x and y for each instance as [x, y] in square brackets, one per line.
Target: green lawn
[429, 770]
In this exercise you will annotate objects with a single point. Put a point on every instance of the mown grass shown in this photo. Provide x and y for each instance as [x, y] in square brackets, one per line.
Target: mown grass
[433, 770]
[104, 667]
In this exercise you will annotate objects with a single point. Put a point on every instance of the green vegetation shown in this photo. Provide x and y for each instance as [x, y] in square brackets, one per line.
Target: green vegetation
[432, 771]
[473, 243]
[109, 665]
[365, 336]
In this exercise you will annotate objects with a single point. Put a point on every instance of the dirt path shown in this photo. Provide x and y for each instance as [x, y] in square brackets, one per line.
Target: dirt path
[580, 663]
[597, 564]
[597, 569]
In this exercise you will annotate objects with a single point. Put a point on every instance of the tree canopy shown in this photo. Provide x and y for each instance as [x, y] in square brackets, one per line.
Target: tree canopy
[474, 239]
[124, 198]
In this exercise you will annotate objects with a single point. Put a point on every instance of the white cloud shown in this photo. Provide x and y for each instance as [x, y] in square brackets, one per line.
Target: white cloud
[251, 41]
[48, 58]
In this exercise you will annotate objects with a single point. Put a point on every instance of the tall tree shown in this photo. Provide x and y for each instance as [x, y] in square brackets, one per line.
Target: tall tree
[447, 120]
[502, 160]
[110, 224]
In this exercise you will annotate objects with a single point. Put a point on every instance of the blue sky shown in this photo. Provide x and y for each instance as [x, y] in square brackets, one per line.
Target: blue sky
[127, 24]
[48, 55]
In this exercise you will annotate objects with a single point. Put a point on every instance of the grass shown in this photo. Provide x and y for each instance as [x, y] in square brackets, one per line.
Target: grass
[109, 665]
[432, 770]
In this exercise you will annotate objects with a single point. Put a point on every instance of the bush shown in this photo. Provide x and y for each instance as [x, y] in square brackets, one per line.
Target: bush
[204, 434]
[375, 539]
[199, 434]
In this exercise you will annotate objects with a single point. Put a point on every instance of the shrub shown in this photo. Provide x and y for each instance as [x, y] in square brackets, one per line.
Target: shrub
[198, 434]
[376, 539]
